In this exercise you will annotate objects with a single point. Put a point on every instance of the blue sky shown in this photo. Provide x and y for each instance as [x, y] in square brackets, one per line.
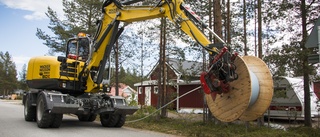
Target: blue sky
[19, 20]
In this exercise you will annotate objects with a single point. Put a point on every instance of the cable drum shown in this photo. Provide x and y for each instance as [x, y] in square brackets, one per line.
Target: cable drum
[255, 88]
[249, 96]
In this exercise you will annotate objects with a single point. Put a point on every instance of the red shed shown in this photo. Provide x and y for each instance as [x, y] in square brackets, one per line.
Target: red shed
[316, 88]
[183, 76]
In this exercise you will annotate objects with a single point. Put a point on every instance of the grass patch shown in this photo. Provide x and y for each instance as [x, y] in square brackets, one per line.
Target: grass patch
[185, 127]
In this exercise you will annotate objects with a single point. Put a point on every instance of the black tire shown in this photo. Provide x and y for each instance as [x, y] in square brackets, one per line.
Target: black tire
[57, 120]
[92, 117]
[121, 121]
[109, 120]
[87, 118]
[44, 118]
[24, 98]
[83, 118]
[29, 111]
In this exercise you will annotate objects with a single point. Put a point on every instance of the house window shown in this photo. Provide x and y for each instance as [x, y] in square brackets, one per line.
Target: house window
[155, 90]
[140, 90]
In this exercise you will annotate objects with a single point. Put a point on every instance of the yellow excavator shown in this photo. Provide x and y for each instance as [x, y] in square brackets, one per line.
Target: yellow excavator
[235, 87]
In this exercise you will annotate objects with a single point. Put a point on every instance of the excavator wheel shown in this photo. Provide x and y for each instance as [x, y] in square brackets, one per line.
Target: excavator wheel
[56, 121]
[44, 118]
[112, 120]
[249, 96]
[29, 111]
[92, 117]
[121, 120]
[87, 118]
[109, 120]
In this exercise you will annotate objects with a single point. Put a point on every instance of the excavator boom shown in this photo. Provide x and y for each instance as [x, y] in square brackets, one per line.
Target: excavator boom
[115, 12]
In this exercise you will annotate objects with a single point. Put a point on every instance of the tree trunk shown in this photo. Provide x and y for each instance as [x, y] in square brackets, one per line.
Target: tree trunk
[160, 72]
[117, 69]
[207, 114]
[210, 19]
[217, 29]
[260, 120]
[228, 23]
[259, 30]
[245, 27]
[307, 111]
[163, 81]
[217, 20]
[255, 29]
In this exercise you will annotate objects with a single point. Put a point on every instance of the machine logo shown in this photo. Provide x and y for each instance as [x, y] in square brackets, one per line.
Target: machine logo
[113, 11]
[44, 71]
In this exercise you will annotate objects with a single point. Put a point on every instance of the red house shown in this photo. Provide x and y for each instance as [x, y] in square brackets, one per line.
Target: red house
[316, 88]
[183, 76]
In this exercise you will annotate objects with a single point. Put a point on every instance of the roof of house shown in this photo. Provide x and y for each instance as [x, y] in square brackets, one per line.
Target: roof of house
[155, 83]
[128, 89]
[182, 67]
[123, 90]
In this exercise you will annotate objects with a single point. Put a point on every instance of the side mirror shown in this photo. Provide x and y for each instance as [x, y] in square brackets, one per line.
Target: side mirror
[63, 61]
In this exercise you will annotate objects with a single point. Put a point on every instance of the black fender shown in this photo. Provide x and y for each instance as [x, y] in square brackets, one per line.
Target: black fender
[56, 102]
[52, 97]
[31, 97]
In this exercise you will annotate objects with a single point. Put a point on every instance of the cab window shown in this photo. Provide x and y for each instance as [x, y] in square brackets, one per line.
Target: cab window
[78, 49]
[72, 47]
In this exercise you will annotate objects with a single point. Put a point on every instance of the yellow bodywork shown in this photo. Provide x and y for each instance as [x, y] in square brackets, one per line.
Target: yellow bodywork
[48, 67]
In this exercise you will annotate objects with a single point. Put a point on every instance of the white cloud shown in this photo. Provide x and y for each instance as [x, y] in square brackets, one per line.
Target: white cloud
[34, 16]
[38, 8]
[19, 62]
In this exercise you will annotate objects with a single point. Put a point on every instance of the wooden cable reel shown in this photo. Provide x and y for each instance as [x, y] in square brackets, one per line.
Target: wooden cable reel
[249, 96]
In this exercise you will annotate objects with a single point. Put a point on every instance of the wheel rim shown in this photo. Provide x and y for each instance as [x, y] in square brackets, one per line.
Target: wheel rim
[39, 110]
[25, 109]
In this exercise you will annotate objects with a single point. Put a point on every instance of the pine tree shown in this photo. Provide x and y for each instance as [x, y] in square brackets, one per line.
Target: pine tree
[8, 73]
[2, 76]
[80, 16]
[23, 78]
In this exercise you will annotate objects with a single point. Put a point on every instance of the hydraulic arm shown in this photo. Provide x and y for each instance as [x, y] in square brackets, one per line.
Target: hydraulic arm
[183, 18]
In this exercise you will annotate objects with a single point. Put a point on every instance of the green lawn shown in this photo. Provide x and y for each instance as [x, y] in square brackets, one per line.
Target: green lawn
[187, 127]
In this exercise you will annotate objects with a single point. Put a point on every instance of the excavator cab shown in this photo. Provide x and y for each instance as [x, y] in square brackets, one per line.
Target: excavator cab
[78, 48]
